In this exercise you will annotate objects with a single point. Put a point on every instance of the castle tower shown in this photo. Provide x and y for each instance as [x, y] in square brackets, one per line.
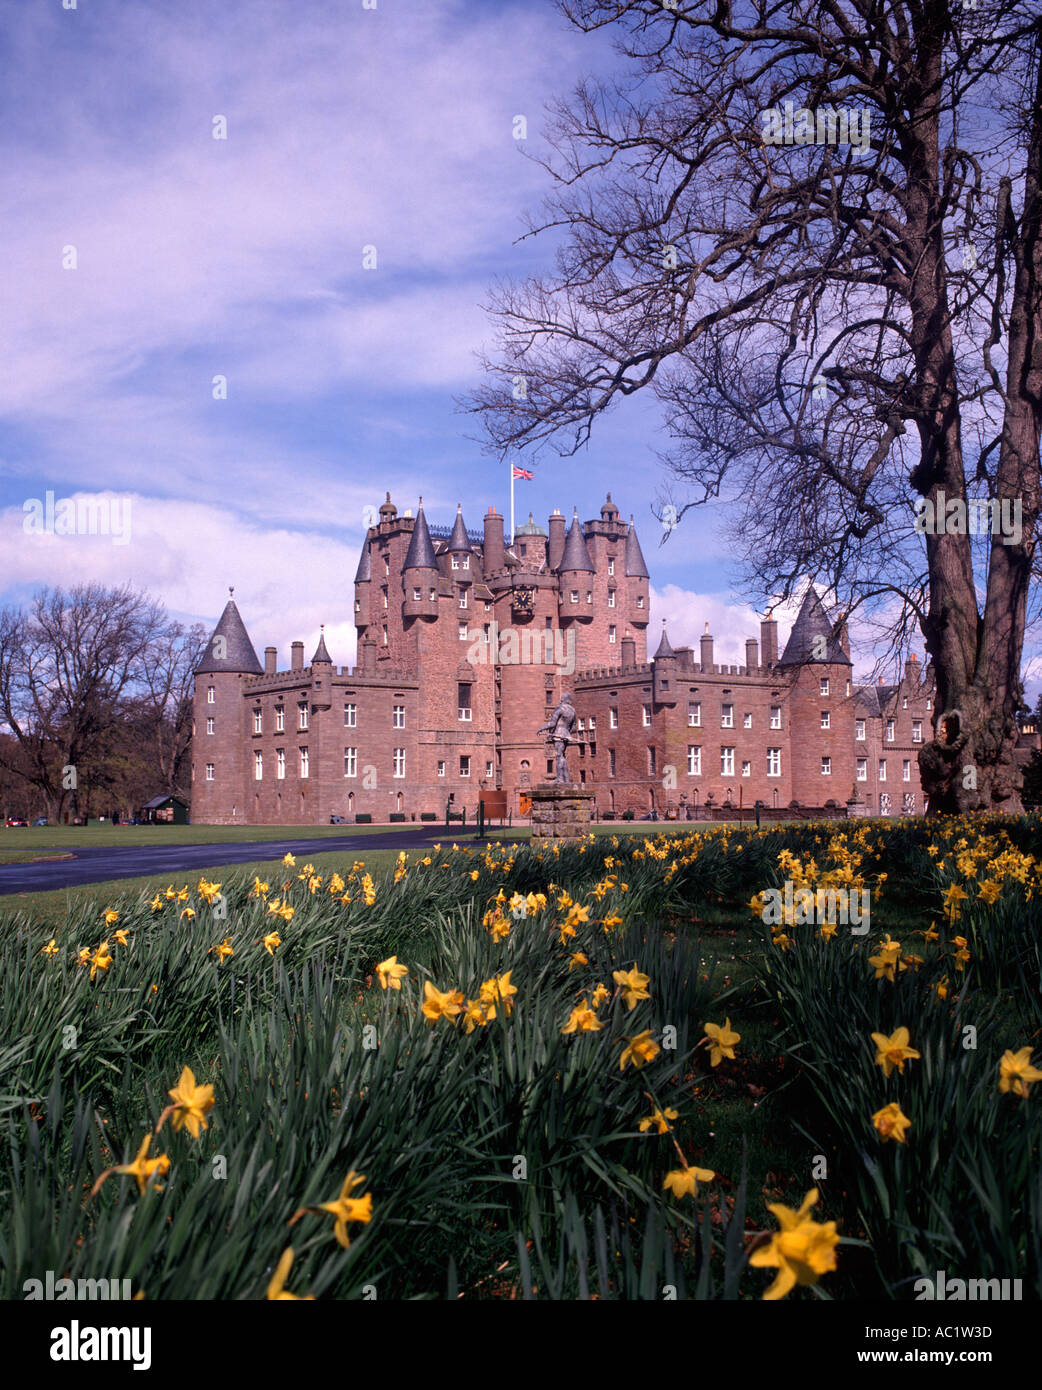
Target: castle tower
[363, 588]
[420, 573]
[219, 712]
[664, 682]
[637, 608]
[818, 670]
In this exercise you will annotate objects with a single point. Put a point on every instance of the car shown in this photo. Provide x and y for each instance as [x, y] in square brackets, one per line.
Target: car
[338, 820]
[14, 820]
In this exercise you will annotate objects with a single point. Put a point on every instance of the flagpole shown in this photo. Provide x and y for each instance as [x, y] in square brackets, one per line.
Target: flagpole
[510, 465]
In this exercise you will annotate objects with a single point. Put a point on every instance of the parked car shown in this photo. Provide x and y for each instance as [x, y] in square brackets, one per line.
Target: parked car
[338, 820]
[14, 820]
[40, 820]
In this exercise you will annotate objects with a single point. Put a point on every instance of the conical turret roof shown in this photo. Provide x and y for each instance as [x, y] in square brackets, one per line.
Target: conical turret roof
[364, 572]
[812, 622]
[321, 653]
[635, 566]
[421, 548]
[459, 539]
[575, 556]
[664, 649]
[238, 654]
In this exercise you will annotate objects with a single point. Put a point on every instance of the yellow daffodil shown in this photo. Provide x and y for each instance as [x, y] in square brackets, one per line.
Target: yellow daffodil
[111, 917]
[633, 986]
[475, 1014]
[120, 935]
[156, 903]
[891, 1123]
[801, 1251]
[942, 989]
[440, 1005]
[276, 1293]
[721, 1041]
[191, 1104]
[347, 1208]
[1016, 1072]
[893, 1051]
[224, 950]
[660, 1119]
[50, 949]
[390, 973]
[682, 1182]
[144, 1169]
[600, 993]
[576, 959]
[289, 861]
[271, 942]
[582, 1019]
[638, 1050]
[101, 960]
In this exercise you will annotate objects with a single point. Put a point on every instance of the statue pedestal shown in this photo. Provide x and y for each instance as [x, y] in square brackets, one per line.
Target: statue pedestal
[560, 813]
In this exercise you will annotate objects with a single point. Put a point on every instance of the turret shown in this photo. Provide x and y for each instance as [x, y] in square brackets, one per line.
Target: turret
[636, 579]
[664, 683]
[321, 674]
[219, 717]
[363, 586]
[576, 573]
[420, 572]
[229, 650]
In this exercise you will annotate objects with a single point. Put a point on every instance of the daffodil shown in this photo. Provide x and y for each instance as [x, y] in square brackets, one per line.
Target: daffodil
[191, 1104]
[1016, 1072]
[390, 973]
[660, 1119]
[638, 1050]
[111, 917]
[101, 959]
[120, 935]
[600, 993]
[156, 903]
[51, 949]
[682, 1182]
[438, 1004]
[891, 1123]
[276, 1292]
[224, 950]
[289, 861]
[271, 942]
[347, 1208]
[144, 1169]
[721, 1040]
[801, 1251]
[582, 1019]
[576, 959]
[893, 1051]
[633, 986]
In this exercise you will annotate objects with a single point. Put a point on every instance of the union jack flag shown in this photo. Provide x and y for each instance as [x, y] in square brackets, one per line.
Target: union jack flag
[516, 473]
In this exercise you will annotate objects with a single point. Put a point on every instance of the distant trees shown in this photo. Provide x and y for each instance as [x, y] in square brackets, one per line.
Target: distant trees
[95, 701]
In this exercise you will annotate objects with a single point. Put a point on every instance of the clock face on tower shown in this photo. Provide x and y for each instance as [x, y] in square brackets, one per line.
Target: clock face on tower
[522, 599]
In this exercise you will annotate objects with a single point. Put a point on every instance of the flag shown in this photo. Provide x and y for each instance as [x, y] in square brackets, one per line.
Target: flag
[516, 473]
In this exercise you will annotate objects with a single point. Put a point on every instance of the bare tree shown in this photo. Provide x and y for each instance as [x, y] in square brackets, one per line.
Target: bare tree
[813, 230]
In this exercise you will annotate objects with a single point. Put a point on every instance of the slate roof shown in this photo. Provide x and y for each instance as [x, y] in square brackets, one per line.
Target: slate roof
[239, 655]
[421, 550]
[459, 540]
[364, 572]
[811, 622]
[575, 556]
[664, 649]
[321, 653]
[635, 566]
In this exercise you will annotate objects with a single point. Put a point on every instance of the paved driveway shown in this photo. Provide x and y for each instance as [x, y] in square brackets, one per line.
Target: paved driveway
[174, 862]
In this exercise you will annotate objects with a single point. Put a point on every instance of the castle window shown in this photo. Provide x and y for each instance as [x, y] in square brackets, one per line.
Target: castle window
[611, 762]
[210, 695]
[280, 764]
[906, 771]
[592, 723]
[646, 712]
[302, 714]
[464, 764]
[774, 762]
[463, 598]
[929, 705]
[826, 767]
[726, 762]
[652, 759]
[694, 715]
[304, 762]
[258, 719]
[589, 595]
[694, 760]
[455, 562]
[350, 762]
[387, 565]
[258, 766]
[859, 730]
[209, 772]
[463, 701]
[432, 594]
[398, 717]
[848, 690]
[549, 767]
[466, 562]
[640, 600]
[581, 725]
[385, 637]
[889, 731]
[862, 769]
[882, 769]
[441, 769]
[775, 716]
[463, 632]
[383, 591]
[611, 598]
[825, 720]
[917, 731]
[350, 716]
[209, 726]
[904, 703]
[575, 596]
[611, 633]
[727, 716]
[611, 564]
[417, 595]
[358, 605]
[747, 721]
[613, 718]
[399, 762]
[824, 685]
[747, 769]
[489, 770]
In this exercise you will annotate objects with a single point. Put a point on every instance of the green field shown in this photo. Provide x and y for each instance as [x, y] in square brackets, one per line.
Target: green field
[94, 835]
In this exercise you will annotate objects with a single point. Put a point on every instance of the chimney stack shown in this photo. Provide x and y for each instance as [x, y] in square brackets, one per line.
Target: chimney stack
[752, 660]
[297, 656]
[769, 640]
[706, 643]
[556, 543]
[629, 651]
[494, 557]
[271, 659]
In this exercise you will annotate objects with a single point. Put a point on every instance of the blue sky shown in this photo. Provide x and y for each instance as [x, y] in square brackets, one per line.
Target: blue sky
[242, 258]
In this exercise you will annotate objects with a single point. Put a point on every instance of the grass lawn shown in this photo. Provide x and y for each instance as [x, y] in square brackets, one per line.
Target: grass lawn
[94, 835]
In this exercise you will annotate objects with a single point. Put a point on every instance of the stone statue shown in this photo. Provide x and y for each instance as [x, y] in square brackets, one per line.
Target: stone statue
[559, 733]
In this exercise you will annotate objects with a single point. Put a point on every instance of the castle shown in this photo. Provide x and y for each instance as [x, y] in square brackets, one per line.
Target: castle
[465, 645]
